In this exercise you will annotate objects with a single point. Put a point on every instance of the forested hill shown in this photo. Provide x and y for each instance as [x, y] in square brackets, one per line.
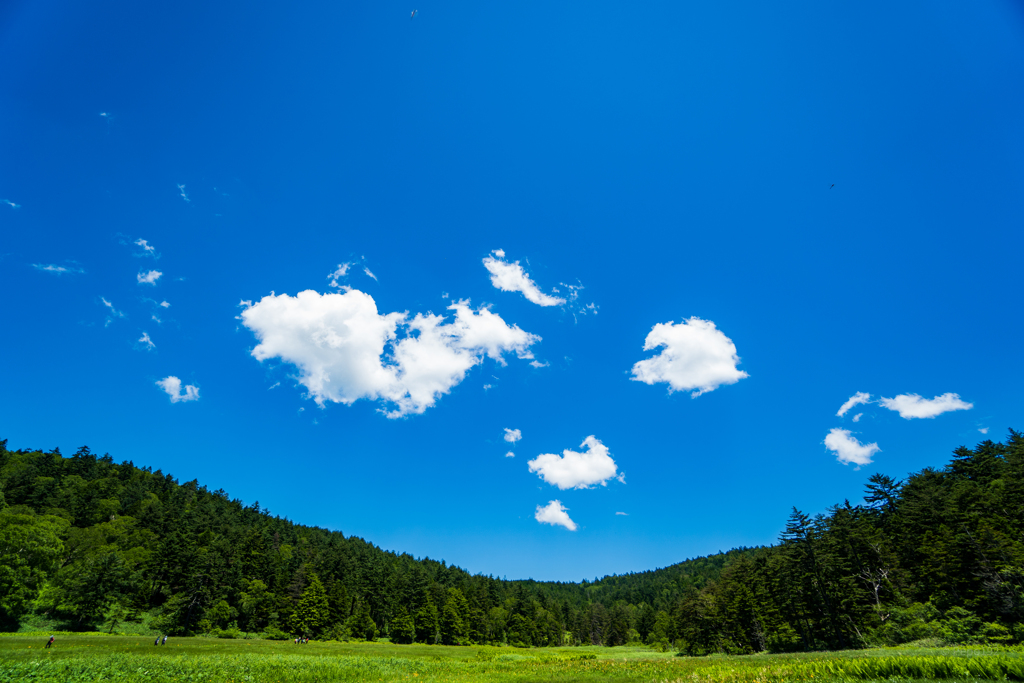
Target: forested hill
[95, 544]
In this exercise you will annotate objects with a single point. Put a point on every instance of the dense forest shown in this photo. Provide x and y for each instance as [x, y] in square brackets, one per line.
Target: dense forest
[93, 544]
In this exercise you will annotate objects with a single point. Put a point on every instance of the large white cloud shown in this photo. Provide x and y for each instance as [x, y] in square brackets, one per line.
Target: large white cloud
[345, 350]
[696, 356]
[848, 449]
[510, 277]
[855, 400]
[910, 406]
[573, 470]
[556, 514]
[172, 385]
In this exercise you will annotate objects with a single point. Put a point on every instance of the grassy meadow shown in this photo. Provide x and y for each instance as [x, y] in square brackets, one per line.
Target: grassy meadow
[134, 658]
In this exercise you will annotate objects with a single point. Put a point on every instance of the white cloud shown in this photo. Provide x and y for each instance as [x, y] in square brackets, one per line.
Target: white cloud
[623, 514]
[857, 399]
[112, 313]
[275, 385]
[848, 449]
[172, 385]
[147, 248]
[339, 272]
[983, 430]
[573, 303]
[367, 271]
[856, 418]
[510, 277]
[910, 406]
[345, 350]
[55, 269]
[148, 278]
[538, 364]
[555, 514]
[574, 470]
[146, 341]
[513, 435]
[11, 204]
[181, 188]
[696, 356]
[164, 304]
[510, 454]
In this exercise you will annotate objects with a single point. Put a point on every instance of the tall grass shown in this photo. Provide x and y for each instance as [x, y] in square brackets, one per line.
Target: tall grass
[122, 659]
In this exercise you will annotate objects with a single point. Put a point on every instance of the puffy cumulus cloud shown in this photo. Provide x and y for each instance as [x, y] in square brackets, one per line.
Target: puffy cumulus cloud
[857, 399]
[510, 454]
[574, 470]
[555, 514]
[172, 386]
[910, 406]
[149, 277]
[345, 350]
[848, 449]
[513, 435]
[510, 277]
[696, 356]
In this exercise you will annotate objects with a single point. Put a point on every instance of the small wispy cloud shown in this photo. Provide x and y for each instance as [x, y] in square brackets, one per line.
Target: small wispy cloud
[339, 272]
[172, 386]
[55, 269]
[275, 385]
[510, 454]
[164, 304]
[623, 514]
[147, 248]
[112, 313]
[181, 188]
[511, 277]
[11, 204]
[538, 364]
[573, 303]
[146, 342]
[983, 430]
[513, 435]
[857, 399]
[149, 278]
[856, 418]
[367, 271]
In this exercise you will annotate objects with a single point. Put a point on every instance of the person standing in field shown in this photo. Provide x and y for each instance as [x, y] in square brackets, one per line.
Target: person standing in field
[165, 641]
[157, 641]
[49, 643]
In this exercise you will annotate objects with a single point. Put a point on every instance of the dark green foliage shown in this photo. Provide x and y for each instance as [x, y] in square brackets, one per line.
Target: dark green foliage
[94, 544]
[312, 614]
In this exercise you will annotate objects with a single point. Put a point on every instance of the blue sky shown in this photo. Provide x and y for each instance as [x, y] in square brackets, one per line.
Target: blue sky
[790, 205]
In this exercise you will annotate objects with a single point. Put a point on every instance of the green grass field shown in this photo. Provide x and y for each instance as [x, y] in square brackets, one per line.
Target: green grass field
[130, 658]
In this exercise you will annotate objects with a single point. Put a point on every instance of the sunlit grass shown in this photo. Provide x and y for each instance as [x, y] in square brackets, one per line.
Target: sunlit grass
[126, 658]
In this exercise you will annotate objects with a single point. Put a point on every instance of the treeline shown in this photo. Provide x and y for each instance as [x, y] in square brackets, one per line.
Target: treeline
[94, 543]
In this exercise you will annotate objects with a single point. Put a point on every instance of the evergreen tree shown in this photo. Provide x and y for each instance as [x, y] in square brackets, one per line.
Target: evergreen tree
[313, 612]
